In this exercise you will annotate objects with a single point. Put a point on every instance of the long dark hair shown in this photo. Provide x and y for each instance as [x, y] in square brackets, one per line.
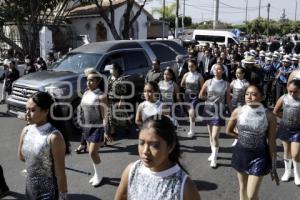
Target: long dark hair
[45, 102]
[165, 128]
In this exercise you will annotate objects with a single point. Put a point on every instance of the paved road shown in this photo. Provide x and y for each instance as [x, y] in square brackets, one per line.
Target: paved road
[220, 183]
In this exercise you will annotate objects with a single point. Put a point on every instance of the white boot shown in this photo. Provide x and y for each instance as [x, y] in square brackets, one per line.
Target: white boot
[213, 162]
[191, 133]
[211, 155]
[288, 170]
[98, 176]
[296, 172]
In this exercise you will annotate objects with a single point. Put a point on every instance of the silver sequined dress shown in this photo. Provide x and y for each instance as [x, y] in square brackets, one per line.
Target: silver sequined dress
[40, 180]
[143, 184]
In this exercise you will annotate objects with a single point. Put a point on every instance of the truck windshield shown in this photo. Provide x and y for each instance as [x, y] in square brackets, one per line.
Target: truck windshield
[77, 62]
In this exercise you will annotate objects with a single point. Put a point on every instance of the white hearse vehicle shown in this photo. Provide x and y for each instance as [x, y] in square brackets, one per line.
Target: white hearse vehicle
[211, 36]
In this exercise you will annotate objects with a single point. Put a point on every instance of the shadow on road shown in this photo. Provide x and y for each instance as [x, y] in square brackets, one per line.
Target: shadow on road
[4, 114]
[82, 196]
[131, 149]
[204, 185]
[110, 181]
[15, 195]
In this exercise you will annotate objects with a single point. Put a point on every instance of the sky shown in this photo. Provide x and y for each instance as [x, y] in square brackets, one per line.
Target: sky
[232, 11]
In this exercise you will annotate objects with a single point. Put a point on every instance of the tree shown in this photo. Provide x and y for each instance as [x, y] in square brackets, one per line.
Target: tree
[109, 17]
[169, 10]
[28, 17]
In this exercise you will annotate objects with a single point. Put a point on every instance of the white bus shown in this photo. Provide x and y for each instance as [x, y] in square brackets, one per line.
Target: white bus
[211, 36]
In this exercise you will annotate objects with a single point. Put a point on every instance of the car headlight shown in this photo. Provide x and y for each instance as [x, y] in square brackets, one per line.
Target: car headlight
[59, 92]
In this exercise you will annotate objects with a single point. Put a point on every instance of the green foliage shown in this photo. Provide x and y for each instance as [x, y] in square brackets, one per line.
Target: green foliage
[259, 26]
[169, 10]
[171, 21]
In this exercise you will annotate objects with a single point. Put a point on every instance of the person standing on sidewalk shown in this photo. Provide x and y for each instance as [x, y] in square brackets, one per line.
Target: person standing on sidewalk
[289, 129]
[9, 77]
[4, 190]
[43, 148]
[3, 77]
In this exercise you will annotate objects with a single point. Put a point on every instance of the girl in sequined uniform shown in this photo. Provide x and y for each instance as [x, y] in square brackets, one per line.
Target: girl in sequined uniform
[43, 149]
[192, 82]
[158, 174]
[169, 91]
[151, 106]
[215, 92]
[289, 129]
[93, 108]
[254, 155]
[238, 87]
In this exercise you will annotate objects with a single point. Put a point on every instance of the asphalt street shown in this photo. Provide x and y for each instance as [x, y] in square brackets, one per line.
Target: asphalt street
[220, 183]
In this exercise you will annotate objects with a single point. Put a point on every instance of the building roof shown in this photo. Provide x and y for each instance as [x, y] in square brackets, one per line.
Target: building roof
[92, 10]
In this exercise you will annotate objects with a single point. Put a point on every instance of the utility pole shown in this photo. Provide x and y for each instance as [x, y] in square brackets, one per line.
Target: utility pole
[164, 13]
[296, 10]
[176, 19]
[216, 14]
[259, 8]
[268, 22]
[246, 12]
[183, 15]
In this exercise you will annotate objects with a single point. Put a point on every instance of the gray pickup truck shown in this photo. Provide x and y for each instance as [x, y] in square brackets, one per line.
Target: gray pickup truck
[66, 82]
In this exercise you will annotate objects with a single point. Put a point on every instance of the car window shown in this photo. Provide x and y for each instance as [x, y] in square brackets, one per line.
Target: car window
[231, 41]
[162, 52]
[210, 38]
[115, 58]
[135, 60]
[77, 62]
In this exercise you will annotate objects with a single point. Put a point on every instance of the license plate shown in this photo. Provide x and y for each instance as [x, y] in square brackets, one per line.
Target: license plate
[21, 115]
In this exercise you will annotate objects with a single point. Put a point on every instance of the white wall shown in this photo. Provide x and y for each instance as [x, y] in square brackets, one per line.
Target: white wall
[79, 24]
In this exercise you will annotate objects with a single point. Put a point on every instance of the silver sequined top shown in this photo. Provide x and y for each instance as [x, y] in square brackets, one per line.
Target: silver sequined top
[238, 92]
[216, 91]
[291, 112]
[252, 125]
[90, 107]
[167, 91]
[143, 184]
[36, 148]
[192, 83]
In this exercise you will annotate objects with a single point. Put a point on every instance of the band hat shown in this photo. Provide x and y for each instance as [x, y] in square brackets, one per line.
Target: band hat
[295, 58]
[268, 58]
[262, 54]
[252, 51]
[286, 60]
[249, 59]
[6, 62]
[246, 53]
[287, 56]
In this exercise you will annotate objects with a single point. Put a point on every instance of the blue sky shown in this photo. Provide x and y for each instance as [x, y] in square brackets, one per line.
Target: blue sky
[233, 11]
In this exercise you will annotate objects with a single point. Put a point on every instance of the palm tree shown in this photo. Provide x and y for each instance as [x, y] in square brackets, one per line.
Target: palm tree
[169, 10]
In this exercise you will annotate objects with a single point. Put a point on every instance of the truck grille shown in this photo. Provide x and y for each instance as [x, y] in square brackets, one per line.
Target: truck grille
[21, 93]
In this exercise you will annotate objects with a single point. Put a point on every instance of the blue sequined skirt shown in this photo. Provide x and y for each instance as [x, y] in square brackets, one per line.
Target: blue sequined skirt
[287, 134]
[94, 135]
[256, 162]
[214, 114]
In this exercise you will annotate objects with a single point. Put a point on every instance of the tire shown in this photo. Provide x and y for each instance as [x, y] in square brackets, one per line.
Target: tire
[73, 126]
